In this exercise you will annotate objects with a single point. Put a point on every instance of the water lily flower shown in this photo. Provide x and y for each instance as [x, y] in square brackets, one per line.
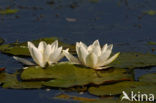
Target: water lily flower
[44, 54]
[92, 56]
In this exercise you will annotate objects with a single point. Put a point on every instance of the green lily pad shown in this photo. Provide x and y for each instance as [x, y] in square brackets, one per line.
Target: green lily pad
[68, 75]
[11, 81]
[91, 100]
[134, 60]
[150, 12]
[8, 11]
[1, 41]
[22, 49]
[113, 100]
[127, 86]
[105, 100]
[151, 43]
[148, 78]
[75, 98]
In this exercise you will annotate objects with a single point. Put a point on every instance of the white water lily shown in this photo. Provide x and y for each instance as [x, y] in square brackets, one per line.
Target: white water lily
[92, 56]
[45, 53]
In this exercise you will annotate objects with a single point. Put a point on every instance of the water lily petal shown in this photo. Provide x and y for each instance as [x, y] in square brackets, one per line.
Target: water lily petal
[84, 45]
[91, 60]
[47, 52]
[108, 52]
[80, 45]
[105, 55]
[54, 55]
[24, 61]
[54, 44]
[42, 46]
[38, 57]
[90, 48]
[36, 54]
[77, 47]
[104, 48]
[82, 54]
[30, 46]
[58, 53]
[95, 47]
[110, 60]
[70, 57]
[59, 57]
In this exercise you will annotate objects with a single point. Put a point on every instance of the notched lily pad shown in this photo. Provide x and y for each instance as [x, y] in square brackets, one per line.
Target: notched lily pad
[134, 60]
[11, 81]
[68, 75]
[22, 49]
[148, 78]
[127, 86]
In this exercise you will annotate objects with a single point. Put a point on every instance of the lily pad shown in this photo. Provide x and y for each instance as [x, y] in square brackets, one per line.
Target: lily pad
[75, 98]
[151, 43]
[11, 81]
[127, 86]
[150, 12]
[113, 100]
[8, 11]
[148, 78]
[22, 49]
[93, 100]
[134, 60]
[68, 75]
[105, 100]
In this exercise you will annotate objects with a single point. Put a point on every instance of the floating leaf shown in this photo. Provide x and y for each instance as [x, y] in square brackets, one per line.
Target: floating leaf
[148, 78]
[22, 85]
[69, 97]
[8, 11]
[150, 12]
[128, 86]
[151, 43]
[105, 100]
[11, 81]
[21, 48]
[114, 100]
[134, 60]
[79, 89]
[68, 75]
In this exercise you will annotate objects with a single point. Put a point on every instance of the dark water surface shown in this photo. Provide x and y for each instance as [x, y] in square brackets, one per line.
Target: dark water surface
[121, 22]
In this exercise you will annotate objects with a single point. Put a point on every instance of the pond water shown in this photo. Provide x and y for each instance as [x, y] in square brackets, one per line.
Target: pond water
[121, 22]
